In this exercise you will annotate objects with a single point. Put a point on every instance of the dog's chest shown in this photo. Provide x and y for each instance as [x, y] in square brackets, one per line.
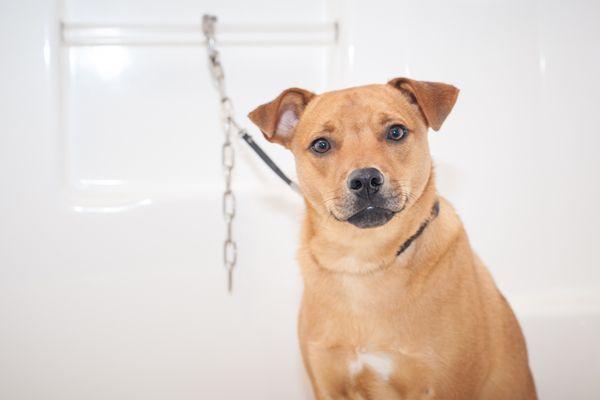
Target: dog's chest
[365, 346]
[372, 372]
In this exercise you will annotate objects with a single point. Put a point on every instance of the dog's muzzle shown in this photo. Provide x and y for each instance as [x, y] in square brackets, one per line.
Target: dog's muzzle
[365, 185]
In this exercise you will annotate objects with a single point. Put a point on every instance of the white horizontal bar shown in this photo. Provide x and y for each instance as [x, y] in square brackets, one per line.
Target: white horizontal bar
[90, 34]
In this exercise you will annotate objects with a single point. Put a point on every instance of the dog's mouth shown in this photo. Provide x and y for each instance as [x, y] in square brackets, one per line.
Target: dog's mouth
[371, 217]
[368, 213]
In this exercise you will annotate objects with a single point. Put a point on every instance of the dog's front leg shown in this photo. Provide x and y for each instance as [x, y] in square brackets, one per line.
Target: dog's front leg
[328, 372]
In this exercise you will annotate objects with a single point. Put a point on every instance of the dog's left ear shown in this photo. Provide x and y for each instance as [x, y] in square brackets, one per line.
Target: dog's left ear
[278, 119]
[435, 99]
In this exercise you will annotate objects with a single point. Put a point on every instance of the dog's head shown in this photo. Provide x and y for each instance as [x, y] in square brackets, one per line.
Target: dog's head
[362, 153]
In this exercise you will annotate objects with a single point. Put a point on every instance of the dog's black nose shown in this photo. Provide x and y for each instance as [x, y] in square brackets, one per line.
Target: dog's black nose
[365, 181]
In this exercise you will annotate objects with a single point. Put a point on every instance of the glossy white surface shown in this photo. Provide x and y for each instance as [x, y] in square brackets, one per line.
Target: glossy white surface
[111, 283]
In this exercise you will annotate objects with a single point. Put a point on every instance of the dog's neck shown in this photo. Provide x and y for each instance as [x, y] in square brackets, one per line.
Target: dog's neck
[341, 247]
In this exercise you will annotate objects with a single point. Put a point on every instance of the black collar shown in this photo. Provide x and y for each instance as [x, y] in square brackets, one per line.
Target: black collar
[435, 210]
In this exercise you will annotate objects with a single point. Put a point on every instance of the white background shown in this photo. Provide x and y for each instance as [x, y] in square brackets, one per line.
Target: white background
[111, 284]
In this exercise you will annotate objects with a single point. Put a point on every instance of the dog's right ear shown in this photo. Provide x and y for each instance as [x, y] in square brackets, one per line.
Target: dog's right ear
[434, 99]
[278, 119]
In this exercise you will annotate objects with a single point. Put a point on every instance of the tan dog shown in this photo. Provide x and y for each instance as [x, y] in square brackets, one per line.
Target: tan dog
[396, 304]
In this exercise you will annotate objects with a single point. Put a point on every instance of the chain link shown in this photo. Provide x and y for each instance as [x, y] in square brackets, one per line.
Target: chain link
[230, 126]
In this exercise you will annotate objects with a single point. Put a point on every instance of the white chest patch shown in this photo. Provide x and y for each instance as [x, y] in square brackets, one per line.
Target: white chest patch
[355, 265]
[378, 363]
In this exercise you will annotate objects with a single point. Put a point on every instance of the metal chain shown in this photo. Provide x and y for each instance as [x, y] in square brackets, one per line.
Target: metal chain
[230, 126]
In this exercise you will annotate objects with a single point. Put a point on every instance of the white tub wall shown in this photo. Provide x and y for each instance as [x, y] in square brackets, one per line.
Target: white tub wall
[110, 276]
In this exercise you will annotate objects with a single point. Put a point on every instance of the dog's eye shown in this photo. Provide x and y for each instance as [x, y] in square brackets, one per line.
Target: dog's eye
[320, 146]
[396, 132]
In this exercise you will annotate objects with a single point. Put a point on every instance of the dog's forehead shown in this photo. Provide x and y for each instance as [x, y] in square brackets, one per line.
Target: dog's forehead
[360, 102]
[361, 96]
